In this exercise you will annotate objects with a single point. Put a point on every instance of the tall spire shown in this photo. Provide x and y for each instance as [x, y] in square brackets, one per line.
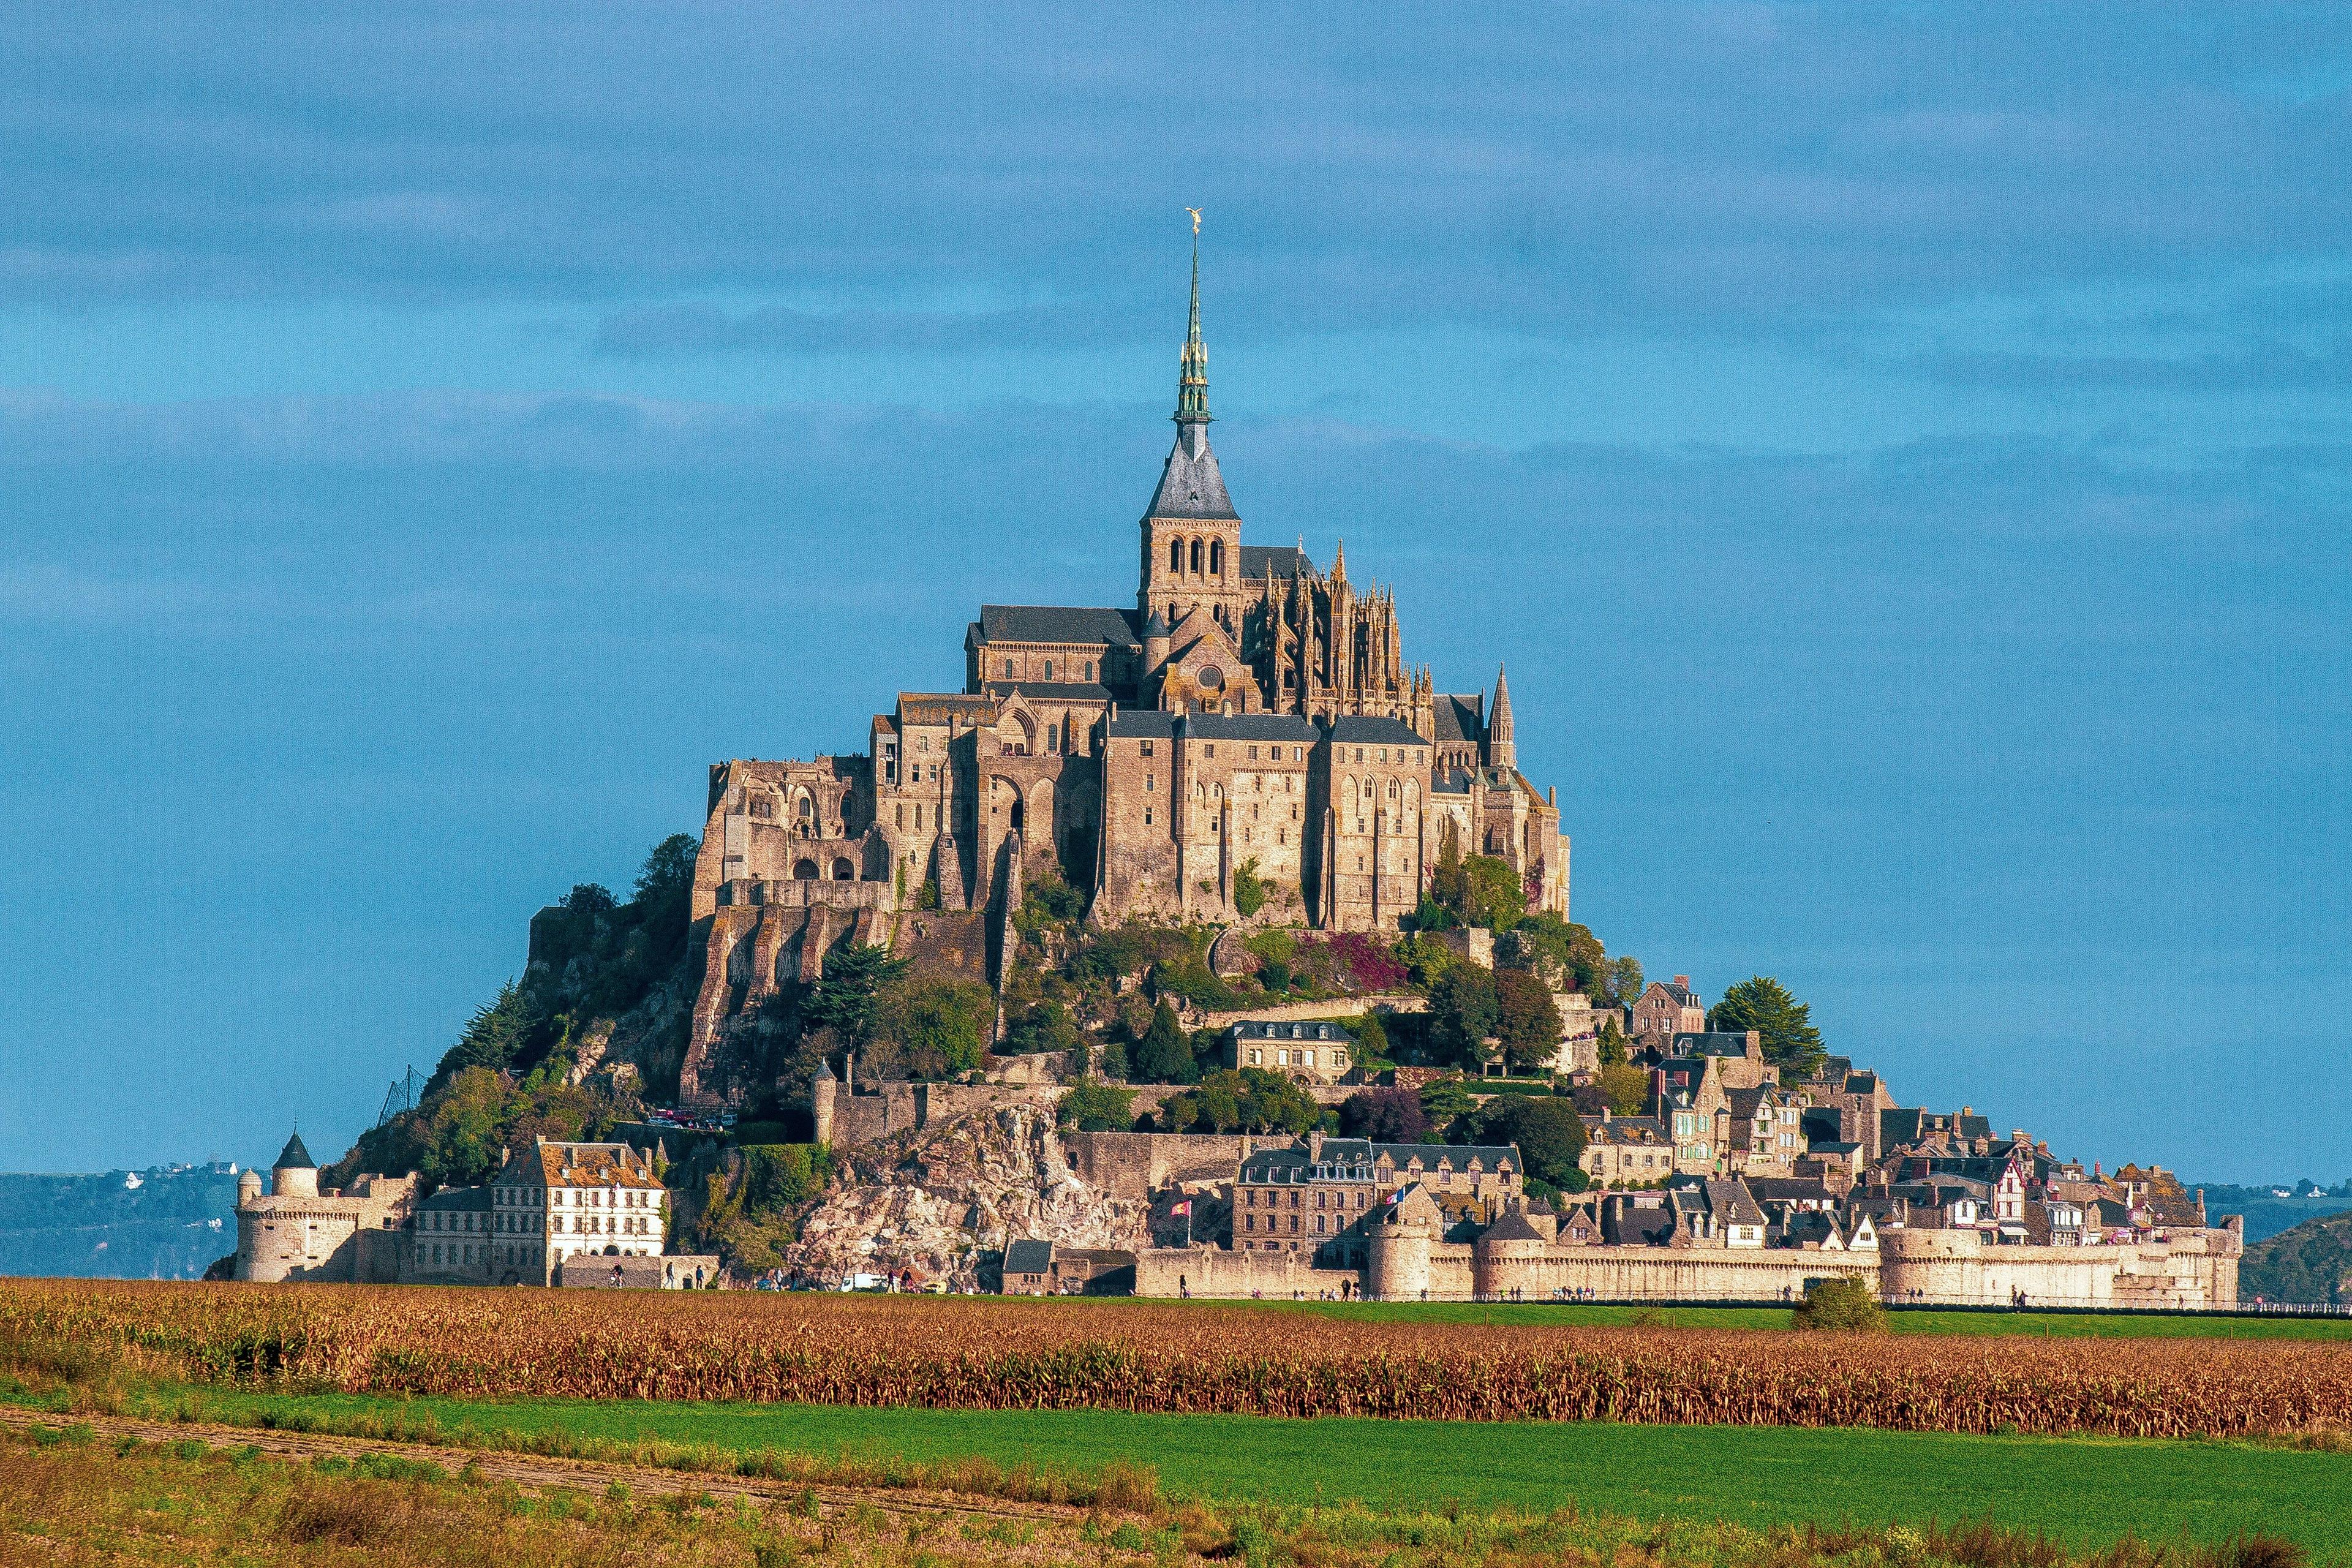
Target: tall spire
[1193, 380]
[1502, 752]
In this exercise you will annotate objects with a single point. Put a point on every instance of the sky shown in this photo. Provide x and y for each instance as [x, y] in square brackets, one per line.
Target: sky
[1904, 455]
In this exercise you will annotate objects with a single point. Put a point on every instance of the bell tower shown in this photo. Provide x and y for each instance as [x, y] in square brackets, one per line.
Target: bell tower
[1192, 535]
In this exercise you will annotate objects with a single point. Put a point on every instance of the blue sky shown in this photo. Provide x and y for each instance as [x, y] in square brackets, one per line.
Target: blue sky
[1905, 455]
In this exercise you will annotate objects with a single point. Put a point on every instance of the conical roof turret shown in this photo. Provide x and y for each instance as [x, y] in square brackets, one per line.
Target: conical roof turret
[1502, 751]
[294, 1157]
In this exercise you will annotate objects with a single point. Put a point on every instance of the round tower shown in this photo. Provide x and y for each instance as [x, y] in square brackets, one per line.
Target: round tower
[1396, 1258]
[295, 1174]
[1155, 649]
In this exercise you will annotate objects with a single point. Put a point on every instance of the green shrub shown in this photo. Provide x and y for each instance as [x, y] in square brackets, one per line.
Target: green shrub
[1095, 1108]
[1250, 891]
[1840, 1304]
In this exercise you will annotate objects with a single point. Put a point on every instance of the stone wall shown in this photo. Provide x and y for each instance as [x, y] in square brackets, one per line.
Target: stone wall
[1210, 1272]
[1134, 1165]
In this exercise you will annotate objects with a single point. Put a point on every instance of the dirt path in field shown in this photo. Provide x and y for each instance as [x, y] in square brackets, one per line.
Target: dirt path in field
[540, 1470]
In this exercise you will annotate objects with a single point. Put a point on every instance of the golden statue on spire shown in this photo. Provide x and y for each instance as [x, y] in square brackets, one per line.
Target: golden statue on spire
[1196, 221]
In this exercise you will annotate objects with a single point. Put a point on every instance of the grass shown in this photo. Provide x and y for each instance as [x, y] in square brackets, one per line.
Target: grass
[2080, 1490]
[65, 1497]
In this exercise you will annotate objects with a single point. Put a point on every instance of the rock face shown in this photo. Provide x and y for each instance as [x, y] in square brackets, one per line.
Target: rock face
[936, 1199]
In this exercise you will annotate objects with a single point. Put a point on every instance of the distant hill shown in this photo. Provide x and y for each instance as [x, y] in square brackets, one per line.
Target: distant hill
[2309, 1263]
[2267, 1213]
[167, 1223]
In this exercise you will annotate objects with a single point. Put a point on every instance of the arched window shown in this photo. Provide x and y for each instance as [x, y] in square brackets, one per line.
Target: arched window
[1052, 737]
[1049, 669]
[843, 871]
[803, 870]
[1196, 555]
[1217, 558]
[1175, 556]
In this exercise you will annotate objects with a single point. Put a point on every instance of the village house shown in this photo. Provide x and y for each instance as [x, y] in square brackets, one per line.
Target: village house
[1310, 1050]
[1665, 1009]
[1626, 1151]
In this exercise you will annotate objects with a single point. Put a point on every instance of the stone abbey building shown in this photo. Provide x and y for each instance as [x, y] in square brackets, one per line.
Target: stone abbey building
[1251, 715]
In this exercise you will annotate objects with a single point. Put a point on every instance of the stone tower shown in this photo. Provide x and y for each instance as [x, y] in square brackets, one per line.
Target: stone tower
[1502, 752]
[295, 1176]
[1192, 535]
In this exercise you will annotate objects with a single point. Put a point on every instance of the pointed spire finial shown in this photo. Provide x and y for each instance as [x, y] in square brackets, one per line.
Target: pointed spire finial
[1339, 561]
[1192, 376]
[1502, 751]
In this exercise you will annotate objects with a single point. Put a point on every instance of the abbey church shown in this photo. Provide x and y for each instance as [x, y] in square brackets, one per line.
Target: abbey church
[1248, 728]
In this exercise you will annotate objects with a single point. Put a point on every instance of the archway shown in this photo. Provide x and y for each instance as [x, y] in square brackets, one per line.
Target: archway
[843, 871]
[803, 870]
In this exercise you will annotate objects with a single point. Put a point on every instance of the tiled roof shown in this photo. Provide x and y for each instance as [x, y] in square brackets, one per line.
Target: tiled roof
[1363, 730]
[1287, 727]
[1462, 716]
[1287, 561]
[1191, 486]
[1050, 690]
[1057, 624]
[580, 1165]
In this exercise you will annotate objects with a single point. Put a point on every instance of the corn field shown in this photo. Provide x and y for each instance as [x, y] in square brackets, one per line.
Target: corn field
[966, 1354]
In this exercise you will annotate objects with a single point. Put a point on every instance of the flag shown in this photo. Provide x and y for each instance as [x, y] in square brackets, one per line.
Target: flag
[1183, 1208]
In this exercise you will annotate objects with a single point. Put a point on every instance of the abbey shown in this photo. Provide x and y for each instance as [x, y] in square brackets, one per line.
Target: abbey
[1249, 726]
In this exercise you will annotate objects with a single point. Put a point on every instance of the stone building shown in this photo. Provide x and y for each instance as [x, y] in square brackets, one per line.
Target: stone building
[1665, 1009]
[1309, 1050]
[295, 1232]
[1250, 729]
[1316, 1196]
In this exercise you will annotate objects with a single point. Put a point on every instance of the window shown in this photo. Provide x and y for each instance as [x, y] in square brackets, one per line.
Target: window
[1149, 783]
[1209, 750]
[1196, 555]
[1298, 753]
[1252, 753]
[1090, 670]
[1147, 748]
[1217, 557]
[1147, 816]
[1008, 670]
[1052, 732]
[1175, 555]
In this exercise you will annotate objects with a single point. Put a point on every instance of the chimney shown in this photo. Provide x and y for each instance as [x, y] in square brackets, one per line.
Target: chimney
[1682, 981]
[1604, 1116]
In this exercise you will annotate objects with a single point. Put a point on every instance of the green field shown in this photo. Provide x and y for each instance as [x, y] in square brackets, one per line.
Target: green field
[2083, 1491]
[2062, 1325]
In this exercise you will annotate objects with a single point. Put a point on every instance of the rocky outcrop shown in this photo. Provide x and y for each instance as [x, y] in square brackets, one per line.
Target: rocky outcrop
[943, 1199]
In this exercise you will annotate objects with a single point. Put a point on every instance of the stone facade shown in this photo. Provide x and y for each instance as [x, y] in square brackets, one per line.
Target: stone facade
[1251, 719]
[295, 1232]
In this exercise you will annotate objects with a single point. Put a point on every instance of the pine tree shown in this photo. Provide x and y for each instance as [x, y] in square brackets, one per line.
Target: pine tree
[1784, 1025]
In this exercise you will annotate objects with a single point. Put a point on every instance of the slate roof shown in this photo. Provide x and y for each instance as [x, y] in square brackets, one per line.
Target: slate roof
[1028, 1255]
[1513, 1227]
[294, 1157]
[1287, 561]
[1462, 716]
[1057, 624]
[459, 1199]
[1713, 1043]
[1361, 730]
[1309, 1029]
[1050, 690]
[1190, 485]
[1296, 1163]
[1453, 781]
[1287, 727]
[1141, 724]
[1732, 1203]
[1642, 1132]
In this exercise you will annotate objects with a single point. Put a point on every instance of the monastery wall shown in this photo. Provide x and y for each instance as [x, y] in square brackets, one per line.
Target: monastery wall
[1213, 1272]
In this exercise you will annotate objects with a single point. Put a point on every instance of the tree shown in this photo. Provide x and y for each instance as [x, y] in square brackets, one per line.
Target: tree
[1626, 1089]
[1497, 897]
[1095, 1107]
[1249, 1100]
[941, 1028]
[496, 1037]
[1762, 1003]
[1611, 1044]
[1449, 888]
[668, 874]
[1465, 1007]
[1549, 1133]
[1624, 981]
[1044, 1024]
[1372, 1037]
[590, 897]
[1529, 1024]
[1384, 1116]
[1163, 1055]
[847, 998]
[1444, 1100]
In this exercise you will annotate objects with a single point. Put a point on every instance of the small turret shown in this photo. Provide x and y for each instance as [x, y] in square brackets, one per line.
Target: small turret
[1156, 634]
[295, 1174]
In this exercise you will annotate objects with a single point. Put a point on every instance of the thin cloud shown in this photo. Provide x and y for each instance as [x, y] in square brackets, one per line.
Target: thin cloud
[663, 332]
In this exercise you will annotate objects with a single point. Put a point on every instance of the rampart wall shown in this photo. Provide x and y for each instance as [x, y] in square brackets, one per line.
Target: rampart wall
[1212, 1271]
